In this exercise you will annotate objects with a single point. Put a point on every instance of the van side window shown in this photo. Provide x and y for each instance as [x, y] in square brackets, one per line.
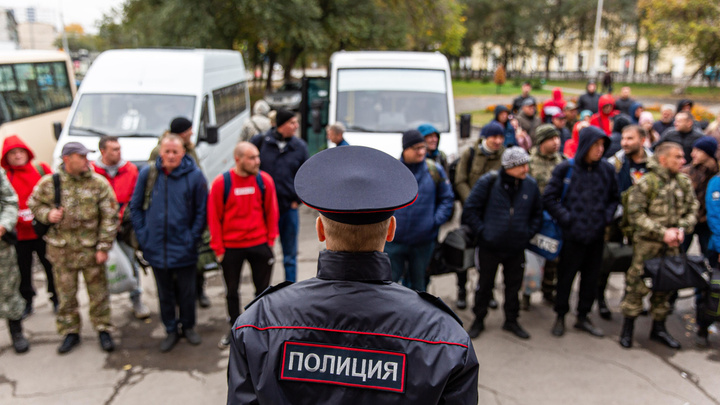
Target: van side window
[204, 119]
[229, 102]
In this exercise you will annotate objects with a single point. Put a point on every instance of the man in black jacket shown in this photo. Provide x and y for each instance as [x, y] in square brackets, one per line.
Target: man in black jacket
[589, 100]
[504, 210]
[351, 335]
[582, 207]
[281, 155]
[685, 133]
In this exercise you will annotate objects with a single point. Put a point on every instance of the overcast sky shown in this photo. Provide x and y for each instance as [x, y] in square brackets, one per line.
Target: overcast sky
[84, 12]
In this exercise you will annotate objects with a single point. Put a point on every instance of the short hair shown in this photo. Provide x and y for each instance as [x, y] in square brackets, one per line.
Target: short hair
[105, 139]
[241, 147]
[337, 127]
[638, 130]
[355, 238]
[169, 136]
[687, 115]
[665, 147]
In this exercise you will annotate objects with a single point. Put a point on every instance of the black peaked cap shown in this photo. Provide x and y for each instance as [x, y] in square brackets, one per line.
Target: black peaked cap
[355, 185]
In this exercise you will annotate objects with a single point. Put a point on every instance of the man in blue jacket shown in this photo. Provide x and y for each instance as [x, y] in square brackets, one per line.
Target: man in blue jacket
[281, 155]
[504, 211]
[418, 224]
[583, 202]
[169, 227]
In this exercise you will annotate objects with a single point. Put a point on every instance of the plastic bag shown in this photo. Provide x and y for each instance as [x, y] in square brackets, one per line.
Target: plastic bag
[119, 271]
[534, 269]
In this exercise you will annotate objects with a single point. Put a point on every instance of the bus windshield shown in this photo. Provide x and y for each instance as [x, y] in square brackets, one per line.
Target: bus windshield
[392, 100]
[141, 115]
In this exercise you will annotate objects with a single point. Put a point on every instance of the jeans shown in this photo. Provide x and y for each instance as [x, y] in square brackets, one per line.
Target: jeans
[130, 253]
[413, 258]
[261, 262]
[289, 226]
[176, 288]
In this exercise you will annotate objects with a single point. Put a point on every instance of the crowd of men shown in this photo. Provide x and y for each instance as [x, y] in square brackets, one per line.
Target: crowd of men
[571, 161]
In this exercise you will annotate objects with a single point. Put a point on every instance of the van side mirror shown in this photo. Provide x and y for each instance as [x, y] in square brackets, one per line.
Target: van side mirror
[211, 135]
[57, 129]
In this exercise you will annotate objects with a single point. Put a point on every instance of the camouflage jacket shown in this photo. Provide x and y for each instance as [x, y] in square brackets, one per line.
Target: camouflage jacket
[8, 204]
[660, 200]
[466, 177]
[541, 166]
[90, 219]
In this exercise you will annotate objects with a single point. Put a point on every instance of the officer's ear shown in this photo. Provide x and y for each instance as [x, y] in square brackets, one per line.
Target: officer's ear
[320, 229]
[391, 229]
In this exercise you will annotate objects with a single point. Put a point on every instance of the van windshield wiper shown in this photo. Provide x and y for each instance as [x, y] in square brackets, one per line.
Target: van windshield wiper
[359, 128]
[138, 135]
[90, 130]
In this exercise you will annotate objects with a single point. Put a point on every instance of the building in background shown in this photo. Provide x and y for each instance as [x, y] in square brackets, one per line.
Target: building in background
[8, 31]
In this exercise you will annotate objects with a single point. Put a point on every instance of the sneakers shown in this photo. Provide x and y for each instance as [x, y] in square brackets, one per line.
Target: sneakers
[140, 310]
[169, 342]
[525, 302]
[559, 328]
[106, 342]
[476, 329]
[71, 340]
[225, 341]
[204, 301]
[583, 323]
[192, 337]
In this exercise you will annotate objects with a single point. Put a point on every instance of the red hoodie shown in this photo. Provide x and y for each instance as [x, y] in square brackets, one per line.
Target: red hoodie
[557, 101]
[123, 183]
[602, 120]
[244, 220]
[23, 179]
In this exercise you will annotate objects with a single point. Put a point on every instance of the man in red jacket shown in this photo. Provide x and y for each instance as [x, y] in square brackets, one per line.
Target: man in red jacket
[122, 177]
[23, 175]
[243, 221]
[603, 118]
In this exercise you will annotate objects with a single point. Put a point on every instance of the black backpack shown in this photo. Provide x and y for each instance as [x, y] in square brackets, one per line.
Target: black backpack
[452, 171]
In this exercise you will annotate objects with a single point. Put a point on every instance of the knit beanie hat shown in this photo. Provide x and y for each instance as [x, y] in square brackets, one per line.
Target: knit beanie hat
[411, 137]
[180, 125]
[545, 132]
[514, 156]
[492, 129]
[707, 144]
[282, 117]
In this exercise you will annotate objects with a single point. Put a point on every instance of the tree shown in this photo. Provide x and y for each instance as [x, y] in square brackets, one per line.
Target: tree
[690, 25]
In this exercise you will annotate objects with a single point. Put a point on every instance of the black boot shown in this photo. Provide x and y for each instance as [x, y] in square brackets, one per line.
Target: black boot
[603, 309]
[461, 298]
[476, 329]
[525, 302]
[584, 324]
[493, 304]
[20, 344]
[559, 328]
[660, 334]
[203, 299]
[626, 335]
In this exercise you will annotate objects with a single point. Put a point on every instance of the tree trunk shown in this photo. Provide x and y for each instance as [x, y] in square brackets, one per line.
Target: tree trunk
[295, 53]
[272, 57]
[682, 88]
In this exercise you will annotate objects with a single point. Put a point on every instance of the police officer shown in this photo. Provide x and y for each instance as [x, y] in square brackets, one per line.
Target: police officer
[661, 208]
[350, 335]
[83, 231]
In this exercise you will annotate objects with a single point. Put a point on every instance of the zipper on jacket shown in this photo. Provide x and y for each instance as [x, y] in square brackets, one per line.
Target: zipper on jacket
[166, 221]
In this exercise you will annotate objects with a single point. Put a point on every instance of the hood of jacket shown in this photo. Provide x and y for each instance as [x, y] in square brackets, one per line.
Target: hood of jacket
[498, 110]
[557, 94]
[12, 142]
[187, 165]
[633, 109]
[620, 122]
[605, 99]
[588, 136]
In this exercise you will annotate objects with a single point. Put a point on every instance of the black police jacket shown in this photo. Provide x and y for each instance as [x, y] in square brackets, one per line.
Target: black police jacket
[350, 336]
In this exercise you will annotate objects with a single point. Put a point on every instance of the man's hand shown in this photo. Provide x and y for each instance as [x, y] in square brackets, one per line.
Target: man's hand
[101, 256]
[294, 205]
[55, 215]
[680, 236]
[220, 257]
[671, 237]
[3, 231]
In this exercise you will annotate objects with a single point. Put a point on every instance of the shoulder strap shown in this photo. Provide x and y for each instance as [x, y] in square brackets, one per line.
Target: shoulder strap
[255, 125]
[434, 173]
[568, 176]
[40, 169]
[269, 290]
[470, 161]
[227, 183]
[56, 185]
[261, 186]
[495, 175]
[149, 184]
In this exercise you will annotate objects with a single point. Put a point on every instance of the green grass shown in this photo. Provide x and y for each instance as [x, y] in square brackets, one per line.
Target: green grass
[650, 90]
[462, 88]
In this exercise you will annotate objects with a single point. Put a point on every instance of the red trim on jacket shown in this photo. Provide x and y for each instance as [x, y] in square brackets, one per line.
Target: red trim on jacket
[245, 220]
[23, 179]
[123, 184]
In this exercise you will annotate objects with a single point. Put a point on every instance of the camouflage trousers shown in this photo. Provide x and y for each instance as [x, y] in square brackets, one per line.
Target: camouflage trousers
[68, 263]
[11, 302]
[635, 288]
